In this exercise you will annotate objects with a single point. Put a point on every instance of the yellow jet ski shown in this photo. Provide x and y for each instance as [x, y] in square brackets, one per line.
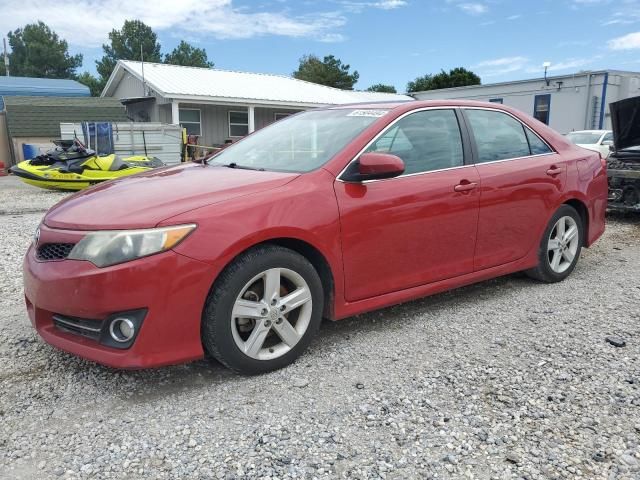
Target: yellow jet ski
[71, 166]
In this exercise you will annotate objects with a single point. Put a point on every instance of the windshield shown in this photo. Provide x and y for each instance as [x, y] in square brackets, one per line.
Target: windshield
[300, 143]
[584, 138]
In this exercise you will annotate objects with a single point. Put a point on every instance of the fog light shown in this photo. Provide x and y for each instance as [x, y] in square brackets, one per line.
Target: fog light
[122, 329]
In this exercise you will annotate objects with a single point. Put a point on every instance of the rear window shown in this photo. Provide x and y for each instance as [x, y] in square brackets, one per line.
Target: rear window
[537, 146]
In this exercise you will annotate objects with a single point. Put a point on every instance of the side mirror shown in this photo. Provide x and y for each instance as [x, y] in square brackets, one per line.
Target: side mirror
[607, 142]
[374, 166]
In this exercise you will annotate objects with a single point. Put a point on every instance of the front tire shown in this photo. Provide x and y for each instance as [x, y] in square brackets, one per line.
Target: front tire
[263, 310]
[560, 246]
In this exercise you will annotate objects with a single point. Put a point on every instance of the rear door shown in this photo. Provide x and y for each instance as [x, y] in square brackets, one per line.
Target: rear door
[419, 227]
[522, 181]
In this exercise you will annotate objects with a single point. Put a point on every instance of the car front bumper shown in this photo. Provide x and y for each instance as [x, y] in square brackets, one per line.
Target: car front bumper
[169, 291]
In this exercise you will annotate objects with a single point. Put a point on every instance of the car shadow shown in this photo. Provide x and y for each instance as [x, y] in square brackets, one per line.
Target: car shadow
[629, 218]
[147, 385]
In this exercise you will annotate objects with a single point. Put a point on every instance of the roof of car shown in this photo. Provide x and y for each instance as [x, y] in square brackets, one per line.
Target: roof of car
[412, 105]
[590, 131]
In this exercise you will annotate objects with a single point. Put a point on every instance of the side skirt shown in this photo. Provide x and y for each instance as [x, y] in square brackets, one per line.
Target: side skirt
[348, 309]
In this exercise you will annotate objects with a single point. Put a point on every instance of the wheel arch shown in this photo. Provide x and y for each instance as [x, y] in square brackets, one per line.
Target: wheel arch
[309, 251]
[583, 211]
[319, 262]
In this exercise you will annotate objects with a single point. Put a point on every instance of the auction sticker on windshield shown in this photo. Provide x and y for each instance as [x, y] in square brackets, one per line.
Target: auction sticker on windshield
[367, 113]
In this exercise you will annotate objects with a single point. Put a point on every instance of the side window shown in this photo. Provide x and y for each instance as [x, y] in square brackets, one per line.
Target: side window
[498, 136]
[538, 147]
[425, 141]
[607, 139]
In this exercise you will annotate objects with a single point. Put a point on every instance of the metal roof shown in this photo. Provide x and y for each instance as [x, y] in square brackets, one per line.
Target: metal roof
[554, 78]
[192, 84]
[42, 116]
[46, 87]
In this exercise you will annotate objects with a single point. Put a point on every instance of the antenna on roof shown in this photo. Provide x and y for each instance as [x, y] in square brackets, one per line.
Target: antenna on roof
[6, 57]
[546, 66]
[144, 93]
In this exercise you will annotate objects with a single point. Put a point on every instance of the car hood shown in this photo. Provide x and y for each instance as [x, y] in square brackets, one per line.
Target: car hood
[625, 119]
[144, 200]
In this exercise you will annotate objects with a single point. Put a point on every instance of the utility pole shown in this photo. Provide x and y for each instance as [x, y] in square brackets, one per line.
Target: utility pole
[6, 57]
[144, 87]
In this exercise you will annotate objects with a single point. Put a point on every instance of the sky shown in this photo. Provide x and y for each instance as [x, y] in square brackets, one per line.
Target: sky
[386, 41]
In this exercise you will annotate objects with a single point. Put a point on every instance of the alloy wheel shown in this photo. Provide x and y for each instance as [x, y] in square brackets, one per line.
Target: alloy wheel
[563, 243]
[271, 314]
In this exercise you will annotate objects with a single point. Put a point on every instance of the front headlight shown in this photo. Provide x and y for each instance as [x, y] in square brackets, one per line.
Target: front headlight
[104, 248]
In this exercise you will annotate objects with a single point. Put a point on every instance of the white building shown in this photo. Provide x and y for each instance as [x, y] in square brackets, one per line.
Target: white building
[566, 103]
[220, 105]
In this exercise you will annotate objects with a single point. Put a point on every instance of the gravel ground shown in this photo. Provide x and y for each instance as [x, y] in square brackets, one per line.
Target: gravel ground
[505, 379]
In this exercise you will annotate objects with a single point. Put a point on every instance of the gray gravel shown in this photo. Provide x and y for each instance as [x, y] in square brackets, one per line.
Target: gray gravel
[505, 379]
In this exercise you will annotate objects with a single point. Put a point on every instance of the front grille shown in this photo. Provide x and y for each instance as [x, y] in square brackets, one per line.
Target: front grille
[79, 326]
[54, 251]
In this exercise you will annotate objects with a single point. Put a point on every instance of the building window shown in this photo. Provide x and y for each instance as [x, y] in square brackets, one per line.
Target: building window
[190, 119]
[542, 108]
[280, 115]
[495, 100]
[238, 124]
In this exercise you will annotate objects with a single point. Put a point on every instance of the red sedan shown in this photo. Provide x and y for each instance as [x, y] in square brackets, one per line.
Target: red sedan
[328, 213]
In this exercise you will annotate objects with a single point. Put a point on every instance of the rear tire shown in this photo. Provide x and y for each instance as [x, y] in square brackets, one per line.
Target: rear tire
[560, 246]
[263, 310]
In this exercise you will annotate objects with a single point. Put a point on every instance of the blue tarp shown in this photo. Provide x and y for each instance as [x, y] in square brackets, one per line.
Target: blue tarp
[41, 87]
[98, 136]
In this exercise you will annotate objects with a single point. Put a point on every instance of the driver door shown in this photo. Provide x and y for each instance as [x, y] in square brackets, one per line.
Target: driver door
[419, 227]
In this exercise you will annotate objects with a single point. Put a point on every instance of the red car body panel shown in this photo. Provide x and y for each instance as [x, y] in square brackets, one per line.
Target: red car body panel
[173, 288]
[408, 232]
[143, 200]
[384, 242]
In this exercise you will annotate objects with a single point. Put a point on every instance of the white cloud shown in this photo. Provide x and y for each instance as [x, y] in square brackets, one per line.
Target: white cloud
[472, 8]
[500, 66]
[389, 4]
[569, 64]
[514, 17]
[357, 6]
[87, 22]
[624, 13]
[630, 41]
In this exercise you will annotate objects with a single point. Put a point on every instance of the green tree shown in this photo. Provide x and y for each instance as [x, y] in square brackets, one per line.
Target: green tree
[94, 84]
[125, 45]
[37, 51]
[457, 77]
[329, 71]
[381, 87]
[189, 56]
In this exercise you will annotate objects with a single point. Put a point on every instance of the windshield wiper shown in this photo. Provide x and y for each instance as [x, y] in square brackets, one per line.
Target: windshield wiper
[242, 167]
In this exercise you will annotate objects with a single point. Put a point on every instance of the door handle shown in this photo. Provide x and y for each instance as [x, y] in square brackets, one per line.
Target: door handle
[553, 171]
[465, 186]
